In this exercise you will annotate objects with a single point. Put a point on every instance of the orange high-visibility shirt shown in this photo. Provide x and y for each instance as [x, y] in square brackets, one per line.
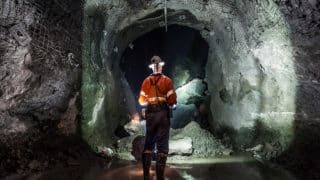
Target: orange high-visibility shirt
[163, 93]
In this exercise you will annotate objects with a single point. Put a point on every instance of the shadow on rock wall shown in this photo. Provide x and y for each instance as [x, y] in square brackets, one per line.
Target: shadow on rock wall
[303, 154]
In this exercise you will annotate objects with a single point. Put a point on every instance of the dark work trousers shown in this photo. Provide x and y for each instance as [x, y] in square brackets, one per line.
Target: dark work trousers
[158, 126]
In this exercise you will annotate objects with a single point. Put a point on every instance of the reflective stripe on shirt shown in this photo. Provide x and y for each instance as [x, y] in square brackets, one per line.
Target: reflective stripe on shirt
[162, 99]
[170, 92]
[142, 93]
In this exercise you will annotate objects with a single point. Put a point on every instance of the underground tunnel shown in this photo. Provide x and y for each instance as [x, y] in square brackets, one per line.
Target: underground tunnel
[231, 96]
[223, 75]
[245, 73]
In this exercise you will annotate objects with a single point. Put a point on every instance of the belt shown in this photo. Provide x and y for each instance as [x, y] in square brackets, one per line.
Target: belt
[157, 107]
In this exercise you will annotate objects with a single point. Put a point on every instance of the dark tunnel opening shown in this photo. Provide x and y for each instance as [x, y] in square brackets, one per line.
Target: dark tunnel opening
[185, 54]
[180, 45]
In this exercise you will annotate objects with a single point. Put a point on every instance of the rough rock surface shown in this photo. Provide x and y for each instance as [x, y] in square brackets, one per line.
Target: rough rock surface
[191, 92]
[304, 20]
[182, 115]
[181, 146]
[262, 69]
[191, 96]
[40, 77]
[262, 73]
[191, 140]
[204, 144]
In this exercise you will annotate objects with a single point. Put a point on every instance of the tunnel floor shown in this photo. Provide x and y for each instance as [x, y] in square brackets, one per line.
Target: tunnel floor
[229, 168]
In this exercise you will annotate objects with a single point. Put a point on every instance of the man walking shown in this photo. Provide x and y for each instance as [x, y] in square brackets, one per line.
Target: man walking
[157, 94]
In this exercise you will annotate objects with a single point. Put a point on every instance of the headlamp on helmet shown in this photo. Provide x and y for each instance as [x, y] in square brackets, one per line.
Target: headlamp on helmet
[156, 60]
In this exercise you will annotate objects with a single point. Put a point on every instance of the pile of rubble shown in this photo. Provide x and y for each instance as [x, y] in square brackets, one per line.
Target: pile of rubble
[191, 141]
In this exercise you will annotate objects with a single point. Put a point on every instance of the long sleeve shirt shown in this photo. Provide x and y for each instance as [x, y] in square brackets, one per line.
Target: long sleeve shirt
[157, 88]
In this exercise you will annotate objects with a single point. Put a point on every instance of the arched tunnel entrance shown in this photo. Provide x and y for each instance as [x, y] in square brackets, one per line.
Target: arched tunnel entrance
[224, 76]
[185, 53]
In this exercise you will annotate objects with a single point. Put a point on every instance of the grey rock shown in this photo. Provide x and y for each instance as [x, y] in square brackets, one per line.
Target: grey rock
[108, 152]
[34, 164]
[181, 146]
[183, 115]
[20, 34]
[190, 92]
[204, 144]
[36, 90]
[257, 148]
[313, 3]
[36, 86]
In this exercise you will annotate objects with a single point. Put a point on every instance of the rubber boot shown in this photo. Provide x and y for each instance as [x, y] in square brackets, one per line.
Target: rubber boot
[161, 165]
[146, 163]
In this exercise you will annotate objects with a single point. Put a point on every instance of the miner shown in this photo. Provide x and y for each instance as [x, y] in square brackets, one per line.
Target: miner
[158, 96]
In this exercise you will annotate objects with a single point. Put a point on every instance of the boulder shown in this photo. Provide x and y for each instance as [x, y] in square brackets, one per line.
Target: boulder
[181, 146]
[183, 115]
[204, 144]
[191, 92]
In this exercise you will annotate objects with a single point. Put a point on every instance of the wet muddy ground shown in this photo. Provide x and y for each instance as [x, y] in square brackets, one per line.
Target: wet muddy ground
[222, 169]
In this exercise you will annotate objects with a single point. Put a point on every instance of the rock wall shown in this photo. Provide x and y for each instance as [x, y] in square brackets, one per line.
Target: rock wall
[262, 73]
[262, 64]
[251, 96]
[105, 103]
[304, 21]
[40, 45]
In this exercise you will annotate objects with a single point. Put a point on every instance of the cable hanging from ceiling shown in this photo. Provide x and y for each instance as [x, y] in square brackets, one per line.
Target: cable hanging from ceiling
[165, 14]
